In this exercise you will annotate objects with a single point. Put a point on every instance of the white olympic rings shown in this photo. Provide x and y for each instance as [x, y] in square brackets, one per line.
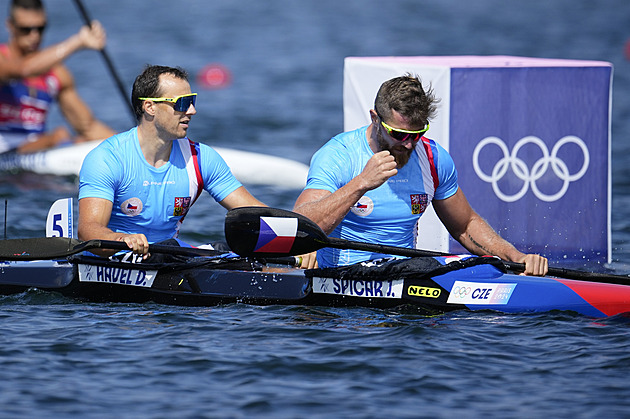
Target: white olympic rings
[522, 171]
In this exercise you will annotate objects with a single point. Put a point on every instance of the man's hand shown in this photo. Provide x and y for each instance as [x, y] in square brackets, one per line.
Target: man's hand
[535, 265]
[309, 261]
[378, 169]
[138, 243]
[93, 36]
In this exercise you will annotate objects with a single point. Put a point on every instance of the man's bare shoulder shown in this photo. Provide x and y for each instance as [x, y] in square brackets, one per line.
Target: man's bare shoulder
[66, 80]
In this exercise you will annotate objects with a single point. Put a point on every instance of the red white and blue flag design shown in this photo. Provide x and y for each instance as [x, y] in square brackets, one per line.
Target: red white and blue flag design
[277, 234]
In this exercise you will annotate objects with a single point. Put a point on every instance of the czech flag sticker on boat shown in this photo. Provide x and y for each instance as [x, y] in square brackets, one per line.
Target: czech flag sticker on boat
[277, 234]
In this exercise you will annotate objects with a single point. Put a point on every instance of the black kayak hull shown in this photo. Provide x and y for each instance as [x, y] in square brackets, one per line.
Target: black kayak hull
[472, 288]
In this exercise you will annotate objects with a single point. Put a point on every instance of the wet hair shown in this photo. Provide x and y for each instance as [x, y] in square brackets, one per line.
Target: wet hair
[406, 96]
[147, 84]
[25, 4]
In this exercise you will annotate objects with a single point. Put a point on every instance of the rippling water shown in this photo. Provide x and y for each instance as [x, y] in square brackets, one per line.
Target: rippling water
[92, 361]
[65, 358]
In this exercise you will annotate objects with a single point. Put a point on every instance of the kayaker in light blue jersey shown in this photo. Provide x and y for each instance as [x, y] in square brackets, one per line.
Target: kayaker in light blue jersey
[137, 186]
[373, 184]
[149, 199]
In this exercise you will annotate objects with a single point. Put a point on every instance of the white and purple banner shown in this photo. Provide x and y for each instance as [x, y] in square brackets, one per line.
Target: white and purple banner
[531, 142]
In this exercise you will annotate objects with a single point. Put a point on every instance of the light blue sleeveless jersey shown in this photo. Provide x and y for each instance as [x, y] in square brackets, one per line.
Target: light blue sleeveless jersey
[146, 199]
[388, 214]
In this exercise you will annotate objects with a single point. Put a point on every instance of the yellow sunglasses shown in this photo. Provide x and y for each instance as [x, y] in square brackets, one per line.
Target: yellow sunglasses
[180, 103]
[402, 134]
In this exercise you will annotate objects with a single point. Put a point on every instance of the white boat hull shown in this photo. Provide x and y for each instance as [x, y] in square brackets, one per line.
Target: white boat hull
[249, 168]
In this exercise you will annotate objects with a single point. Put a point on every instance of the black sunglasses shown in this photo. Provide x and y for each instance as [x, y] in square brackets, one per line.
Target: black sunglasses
[26, 30]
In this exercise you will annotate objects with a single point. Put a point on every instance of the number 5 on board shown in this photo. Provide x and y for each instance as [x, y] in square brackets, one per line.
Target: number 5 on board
[59, 221]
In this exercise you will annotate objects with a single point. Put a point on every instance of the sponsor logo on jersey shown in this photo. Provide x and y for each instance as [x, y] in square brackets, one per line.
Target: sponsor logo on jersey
[419, 203]
[131, 207]
[363, 207]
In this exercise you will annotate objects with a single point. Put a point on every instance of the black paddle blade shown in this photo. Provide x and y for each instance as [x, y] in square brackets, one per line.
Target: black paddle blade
[34, 249]
[271, 232]
[61, 247]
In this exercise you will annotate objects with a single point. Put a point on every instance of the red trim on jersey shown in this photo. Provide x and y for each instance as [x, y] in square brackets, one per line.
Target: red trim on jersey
[429, 150]
[195, 155]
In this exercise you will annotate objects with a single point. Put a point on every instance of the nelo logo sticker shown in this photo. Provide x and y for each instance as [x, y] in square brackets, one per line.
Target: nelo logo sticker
[428, 292]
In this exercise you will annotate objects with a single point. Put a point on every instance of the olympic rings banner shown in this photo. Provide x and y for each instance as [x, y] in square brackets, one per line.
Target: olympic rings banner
[530, 139]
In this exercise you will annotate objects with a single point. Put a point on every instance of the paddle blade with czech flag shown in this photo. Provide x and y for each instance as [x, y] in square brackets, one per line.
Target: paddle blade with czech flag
[271, 232]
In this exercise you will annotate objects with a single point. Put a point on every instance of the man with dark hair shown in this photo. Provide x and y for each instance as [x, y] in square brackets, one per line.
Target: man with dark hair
[138, 185]
[373, 184]
[32, 79]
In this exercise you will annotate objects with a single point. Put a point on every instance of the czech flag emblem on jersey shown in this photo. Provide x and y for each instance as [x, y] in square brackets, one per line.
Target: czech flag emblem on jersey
[276, 235]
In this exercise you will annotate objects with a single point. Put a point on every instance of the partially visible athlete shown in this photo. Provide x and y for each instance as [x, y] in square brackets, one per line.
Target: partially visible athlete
[31, 79]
